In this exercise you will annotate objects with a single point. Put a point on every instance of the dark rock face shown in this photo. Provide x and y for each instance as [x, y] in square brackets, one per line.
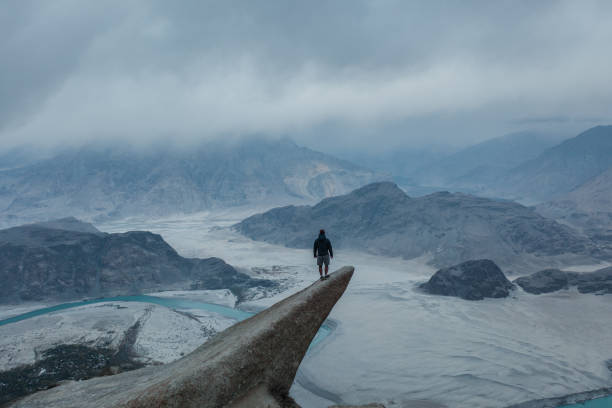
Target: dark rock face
[381, 219]
[471, 280]
[39, 263]
[62, 363]
[552, 280]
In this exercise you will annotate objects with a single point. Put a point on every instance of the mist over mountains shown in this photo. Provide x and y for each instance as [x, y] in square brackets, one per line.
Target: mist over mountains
[531, 167]
[481, 164]
[99, 182]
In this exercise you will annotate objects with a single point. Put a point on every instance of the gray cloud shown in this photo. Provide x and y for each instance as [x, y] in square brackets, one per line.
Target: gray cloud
[401, 72]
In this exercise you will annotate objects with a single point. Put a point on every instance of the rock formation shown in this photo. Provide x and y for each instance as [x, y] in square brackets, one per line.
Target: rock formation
[471, 280]
[552, 280]
[45, 261]
[251, 364]
[450, 228]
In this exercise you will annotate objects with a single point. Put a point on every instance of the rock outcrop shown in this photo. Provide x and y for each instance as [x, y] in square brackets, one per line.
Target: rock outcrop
[450, 228]
[253, 363]
[471, 280]
[552, 280]
[45, 261]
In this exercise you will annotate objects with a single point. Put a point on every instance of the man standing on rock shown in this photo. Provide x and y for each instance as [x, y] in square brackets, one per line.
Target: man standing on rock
[323, 251]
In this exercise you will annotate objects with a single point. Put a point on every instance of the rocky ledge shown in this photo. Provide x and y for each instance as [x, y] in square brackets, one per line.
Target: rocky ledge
[470, 280]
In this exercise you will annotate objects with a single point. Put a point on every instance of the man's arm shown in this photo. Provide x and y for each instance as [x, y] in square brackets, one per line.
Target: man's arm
[331, 251]
[314, 248]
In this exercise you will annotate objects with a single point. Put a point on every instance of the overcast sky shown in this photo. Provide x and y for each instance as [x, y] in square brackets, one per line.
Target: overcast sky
[368, 75]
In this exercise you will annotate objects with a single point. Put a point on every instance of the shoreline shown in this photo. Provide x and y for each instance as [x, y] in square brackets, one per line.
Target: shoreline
[557, 402]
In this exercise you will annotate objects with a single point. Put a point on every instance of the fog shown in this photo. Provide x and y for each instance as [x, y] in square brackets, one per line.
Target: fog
[365, 76]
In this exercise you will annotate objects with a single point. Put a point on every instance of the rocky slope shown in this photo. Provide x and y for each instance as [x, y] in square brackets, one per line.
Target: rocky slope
[470, 280]
[98, 182]
[552, 280]
[481, 164]
[40, 261]
[560, 169]
[449, 228]
[589, 206]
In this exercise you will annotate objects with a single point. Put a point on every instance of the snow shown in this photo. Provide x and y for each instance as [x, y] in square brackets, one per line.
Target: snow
[165, 334]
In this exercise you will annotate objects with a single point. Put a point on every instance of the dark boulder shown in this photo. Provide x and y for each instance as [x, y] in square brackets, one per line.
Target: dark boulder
[546, 281]
[471, 280]
[552, 280]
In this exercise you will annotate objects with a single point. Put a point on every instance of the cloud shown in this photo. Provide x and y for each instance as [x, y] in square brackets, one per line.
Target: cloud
[141, 71]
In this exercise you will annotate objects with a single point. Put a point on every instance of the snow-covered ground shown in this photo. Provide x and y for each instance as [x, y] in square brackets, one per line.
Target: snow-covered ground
[393, 343]
[164, 334]
[223, 297]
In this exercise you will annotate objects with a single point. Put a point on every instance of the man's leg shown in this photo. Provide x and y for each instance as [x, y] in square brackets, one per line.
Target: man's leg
[321, 270]
[326, 269]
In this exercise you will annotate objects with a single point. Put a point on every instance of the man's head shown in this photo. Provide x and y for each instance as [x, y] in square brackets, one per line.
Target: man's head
[322, 232]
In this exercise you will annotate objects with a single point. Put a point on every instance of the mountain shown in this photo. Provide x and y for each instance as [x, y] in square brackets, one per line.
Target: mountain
[98, 182]
[68, 224]
[448, 228]
[589, 206]
[482, 163]
[44, 262]
[562, 168]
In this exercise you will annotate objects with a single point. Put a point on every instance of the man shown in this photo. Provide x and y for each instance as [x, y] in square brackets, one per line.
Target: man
[323, 251]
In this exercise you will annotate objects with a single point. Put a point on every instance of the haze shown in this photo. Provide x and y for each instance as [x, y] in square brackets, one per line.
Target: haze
[331, 75]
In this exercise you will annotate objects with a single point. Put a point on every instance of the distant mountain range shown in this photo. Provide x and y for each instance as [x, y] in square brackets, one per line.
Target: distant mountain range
[97, 182]
[446, 228]
[67, 259]
[479, 165]
[528, 167]
[562, 168]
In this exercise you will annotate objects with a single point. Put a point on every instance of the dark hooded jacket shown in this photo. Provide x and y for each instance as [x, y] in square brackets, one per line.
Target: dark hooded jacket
[322, 246]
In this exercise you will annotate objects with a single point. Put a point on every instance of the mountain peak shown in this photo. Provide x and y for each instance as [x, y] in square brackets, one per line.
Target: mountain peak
[68, 224]
[386, 188]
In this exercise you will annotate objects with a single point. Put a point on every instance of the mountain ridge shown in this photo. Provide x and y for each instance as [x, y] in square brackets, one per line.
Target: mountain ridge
[100, 182]
[448, 227]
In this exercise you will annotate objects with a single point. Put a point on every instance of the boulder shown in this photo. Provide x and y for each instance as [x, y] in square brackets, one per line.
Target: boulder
[470, 280]
[552, 280]
[548, 280]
